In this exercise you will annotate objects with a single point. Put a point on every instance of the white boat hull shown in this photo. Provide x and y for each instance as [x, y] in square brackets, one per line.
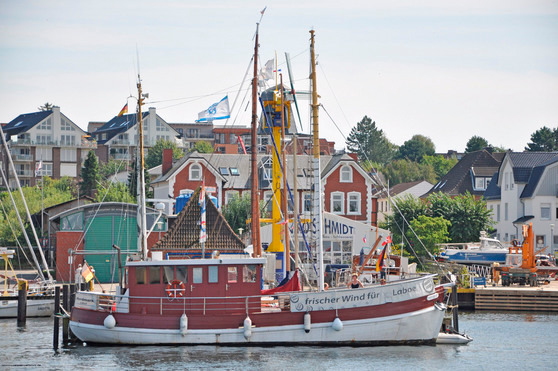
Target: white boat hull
[444, 338]
[35, 308]
[415, 327]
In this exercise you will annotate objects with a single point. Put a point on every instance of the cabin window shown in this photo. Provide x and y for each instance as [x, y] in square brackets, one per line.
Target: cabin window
[213, 274]
[141, 275]
[154, 275]
[232, 275]
[249, 273]
[169, 273]
[182, 274]
[197, 275]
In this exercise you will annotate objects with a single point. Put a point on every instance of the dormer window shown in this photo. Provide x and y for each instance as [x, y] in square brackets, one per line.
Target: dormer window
[195, 172]
[346, 174]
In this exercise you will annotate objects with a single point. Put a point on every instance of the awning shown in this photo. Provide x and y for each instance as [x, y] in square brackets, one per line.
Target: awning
[523, 219]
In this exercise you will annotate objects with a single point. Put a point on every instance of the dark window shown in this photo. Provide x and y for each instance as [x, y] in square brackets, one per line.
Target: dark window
[154, 275]
[224, 171]
[182, 274]
[141, 274]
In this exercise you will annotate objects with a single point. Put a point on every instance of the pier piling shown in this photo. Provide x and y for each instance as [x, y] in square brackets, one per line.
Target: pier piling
[22, 304]
[65, 319]
[56, 332]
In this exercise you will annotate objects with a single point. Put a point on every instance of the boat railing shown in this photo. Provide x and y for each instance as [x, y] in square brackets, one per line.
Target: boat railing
[103, 302]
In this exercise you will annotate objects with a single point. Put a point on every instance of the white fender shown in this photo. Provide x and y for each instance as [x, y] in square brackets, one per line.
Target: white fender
[337, 325]
[247, 328]
[183, 324]
[307, 322]
[109, 321]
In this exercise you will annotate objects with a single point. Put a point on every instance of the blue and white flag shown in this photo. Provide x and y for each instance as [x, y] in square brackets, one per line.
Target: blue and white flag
[217, 111]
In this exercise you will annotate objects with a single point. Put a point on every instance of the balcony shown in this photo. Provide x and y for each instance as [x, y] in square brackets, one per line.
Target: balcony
[21, 156]
[121, 142]
[25, 173]
[121, 156]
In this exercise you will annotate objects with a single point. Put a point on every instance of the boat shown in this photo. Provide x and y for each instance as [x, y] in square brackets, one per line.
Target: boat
[220, 301]
[39, 296]
[487, 251]
[453, 338]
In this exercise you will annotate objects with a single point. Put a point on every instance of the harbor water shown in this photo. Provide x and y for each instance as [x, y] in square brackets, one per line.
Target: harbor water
[502, 341]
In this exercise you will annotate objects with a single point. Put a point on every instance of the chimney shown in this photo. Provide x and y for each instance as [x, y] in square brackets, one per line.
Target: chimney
[354, 156]
[167, 160]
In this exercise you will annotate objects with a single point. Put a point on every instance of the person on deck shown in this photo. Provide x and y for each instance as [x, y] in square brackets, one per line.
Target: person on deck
[355, 282]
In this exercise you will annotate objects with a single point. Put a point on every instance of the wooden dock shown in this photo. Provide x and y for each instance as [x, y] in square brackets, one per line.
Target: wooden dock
[515, 298]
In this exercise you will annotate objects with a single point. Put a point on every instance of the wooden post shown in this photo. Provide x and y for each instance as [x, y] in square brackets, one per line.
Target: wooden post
[22, 304]
[65, 320]
[56, 332]
[455, 307]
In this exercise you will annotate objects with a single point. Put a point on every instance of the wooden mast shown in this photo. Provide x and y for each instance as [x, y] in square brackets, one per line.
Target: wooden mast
[254, 157]
[142, 217]
[317, 199]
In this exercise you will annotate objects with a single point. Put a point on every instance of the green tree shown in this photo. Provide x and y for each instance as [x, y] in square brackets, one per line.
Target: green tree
[155, 153]
[543, 140]
[370, 143]
[46, 107]
[112, 167]
[430, 231]
[237, 211]
[416, 148]
[404, 209]
[133, 182]
[53, 193]
[90, 175]
[402, 171]
[468, 215]
[440, 164]
[475, 143]
[202, 147]
[114, 192]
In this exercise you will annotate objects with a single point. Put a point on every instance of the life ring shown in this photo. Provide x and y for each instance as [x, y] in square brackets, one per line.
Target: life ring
[175, 289]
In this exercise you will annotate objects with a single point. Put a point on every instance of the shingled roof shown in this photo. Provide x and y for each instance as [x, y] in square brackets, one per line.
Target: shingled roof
[184, 235]
[458, 180]
[117, 125]
[24, 122]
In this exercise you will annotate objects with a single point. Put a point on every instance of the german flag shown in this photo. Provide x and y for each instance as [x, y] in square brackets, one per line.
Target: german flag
[123, 110]
[381, 260]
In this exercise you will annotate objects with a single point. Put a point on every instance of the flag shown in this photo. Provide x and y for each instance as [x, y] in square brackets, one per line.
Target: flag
[217, 111]
[263, 11]
[38, 168]
[86, 272]
[203, 229]
[266, 73]
[242, 144]
[381, 260]
[123, 110]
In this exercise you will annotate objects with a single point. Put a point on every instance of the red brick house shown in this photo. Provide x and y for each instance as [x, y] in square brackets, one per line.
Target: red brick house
[345, 185]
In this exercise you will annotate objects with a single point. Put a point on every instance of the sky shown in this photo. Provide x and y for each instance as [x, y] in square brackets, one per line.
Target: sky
[446, 70]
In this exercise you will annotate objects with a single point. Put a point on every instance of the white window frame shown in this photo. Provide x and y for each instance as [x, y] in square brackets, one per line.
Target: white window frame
[346, 174]
[268, 200]
[354, 197]
[334, 199]
[195, 167]
[545, 211]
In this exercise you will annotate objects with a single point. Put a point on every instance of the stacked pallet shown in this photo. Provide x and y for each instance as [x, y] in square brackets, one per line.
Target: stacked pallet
[522, 298]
